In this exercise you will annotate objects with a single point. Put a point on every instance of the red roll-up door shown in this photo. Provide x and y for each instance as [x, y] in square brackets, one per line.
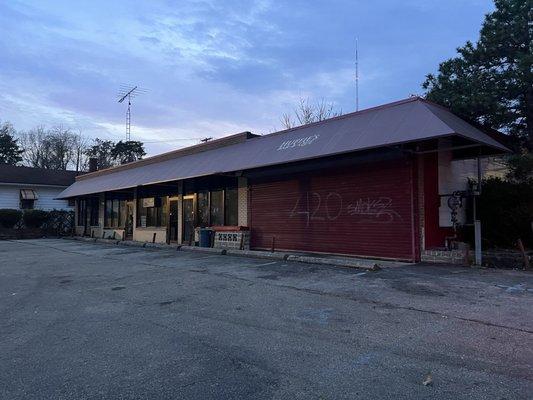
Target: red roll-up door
[362, 210]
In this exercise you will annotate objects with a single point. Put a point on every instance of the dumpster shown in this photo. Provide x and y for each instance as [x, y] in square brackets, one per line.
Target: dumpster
[205, 237]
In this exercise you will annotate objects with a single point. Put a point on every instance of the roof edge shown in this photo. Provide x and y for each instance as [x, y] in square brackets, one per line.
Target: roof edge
[350, 114]
[197, 148]
[500, 146]
[231, 139]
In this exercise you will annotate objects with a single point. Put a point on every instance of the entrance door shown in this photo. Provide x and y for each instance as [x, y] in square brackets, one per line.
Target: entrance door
[128, 225]
[173, 221]
[189, 219]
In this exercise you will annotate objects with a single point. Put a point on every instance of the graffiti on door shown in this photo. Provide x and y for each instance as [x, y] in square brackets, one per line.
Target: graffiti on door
[314, 206]
[375, 209]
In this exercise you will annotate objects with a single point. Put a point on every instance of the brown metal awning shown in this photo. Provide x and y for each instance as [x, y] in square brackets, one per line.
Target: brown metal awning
[28, 194]
[405, 122]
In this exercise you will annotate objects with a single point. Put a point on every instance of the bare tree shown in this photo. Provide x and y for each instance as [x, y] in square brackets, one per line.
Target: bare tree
[34, 144]
[54, 148]
[81, 146]
[62, 143]
[307, 113]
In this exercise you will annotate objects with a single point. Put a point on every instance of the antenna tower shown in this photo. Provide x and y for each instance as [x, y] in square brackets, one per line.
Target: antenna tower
[129, 92]
[356, 76]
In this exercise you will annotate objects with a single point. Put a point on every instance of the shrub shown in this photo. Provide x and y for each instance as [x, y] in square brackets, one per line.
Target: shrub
[34, 218]
[506, 212]
[9, 217]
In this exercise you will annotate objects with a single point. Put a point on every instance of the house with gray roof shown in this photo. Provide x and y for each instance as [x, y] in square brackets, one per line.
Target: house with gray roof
[34, 188]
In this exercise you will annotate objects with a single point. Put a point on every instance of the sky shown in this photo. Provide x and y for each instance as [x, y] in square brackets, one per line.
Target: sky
[214, 68]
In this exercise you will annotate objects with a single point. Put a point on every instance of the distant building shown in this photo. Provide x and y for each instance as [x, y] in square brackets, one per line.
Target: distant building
[27, 188]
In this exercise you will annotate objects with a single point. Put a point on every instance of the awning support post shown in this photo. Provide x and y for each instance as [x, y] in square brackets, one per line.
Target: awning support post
[477, 222]
[477, 240]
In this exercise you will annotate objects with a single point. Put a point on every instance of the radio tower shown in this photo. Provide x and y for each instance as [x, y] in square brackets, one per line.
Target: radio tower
[129, 92]
[356, 77]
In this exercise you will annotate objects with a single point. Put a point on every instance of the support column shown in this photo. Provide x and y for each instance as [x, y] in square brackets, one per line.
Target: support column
[180, 212]
[101, 215]
[242, 192]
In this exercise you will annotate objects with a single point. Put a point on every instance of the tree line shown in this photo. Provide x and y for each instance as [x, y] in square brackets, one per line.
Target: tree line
[60, 148]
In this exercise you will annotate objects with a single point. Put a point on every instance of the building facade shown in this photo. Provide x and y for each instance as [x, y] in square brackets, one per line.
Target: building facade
[374, 183]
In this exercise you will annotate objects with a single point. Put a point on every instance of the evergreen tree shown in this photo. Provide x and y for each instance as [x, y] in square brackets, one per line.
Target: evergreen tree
[491, 81]
[10, 152]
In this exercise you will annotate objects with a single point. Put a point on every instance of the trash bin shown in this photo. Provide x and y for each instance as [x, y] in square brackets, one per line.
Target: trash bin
[205, 237]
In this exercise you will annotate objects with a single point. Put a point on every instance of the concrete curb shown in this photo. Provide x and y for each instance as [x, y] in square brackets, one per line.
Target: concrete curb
[82, 239]
[258, 254]
[131, 243]
[210, 250]
[335, 262]
[108, 241]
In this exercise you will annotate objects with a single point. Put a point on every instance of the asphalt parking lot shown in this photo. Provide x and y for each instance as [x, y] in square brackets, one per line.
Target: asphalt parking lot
[83, 320]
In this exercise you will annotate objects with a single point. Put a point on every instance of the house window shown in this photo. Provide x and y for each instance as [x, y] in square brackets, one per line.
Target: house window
[114, 216]
[27, 204]
[27, 199]
[152, 212]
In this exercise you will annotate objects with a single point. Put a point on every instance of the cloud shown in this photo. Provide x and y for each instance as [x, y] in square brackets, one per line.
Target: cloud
[213, 67]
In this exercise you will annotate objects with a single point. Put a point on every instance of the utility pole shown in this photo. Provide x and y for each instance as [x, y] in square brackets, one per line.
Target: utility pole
[477, 222]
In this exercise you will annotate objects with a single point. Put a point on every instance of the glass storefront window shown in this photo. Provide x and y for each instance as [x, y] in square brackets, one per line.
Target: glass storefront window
[203, 208]
[114, 213]
[217, 207]
[231, 207]
[152, 212]
[93, 210]
[82, 209]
